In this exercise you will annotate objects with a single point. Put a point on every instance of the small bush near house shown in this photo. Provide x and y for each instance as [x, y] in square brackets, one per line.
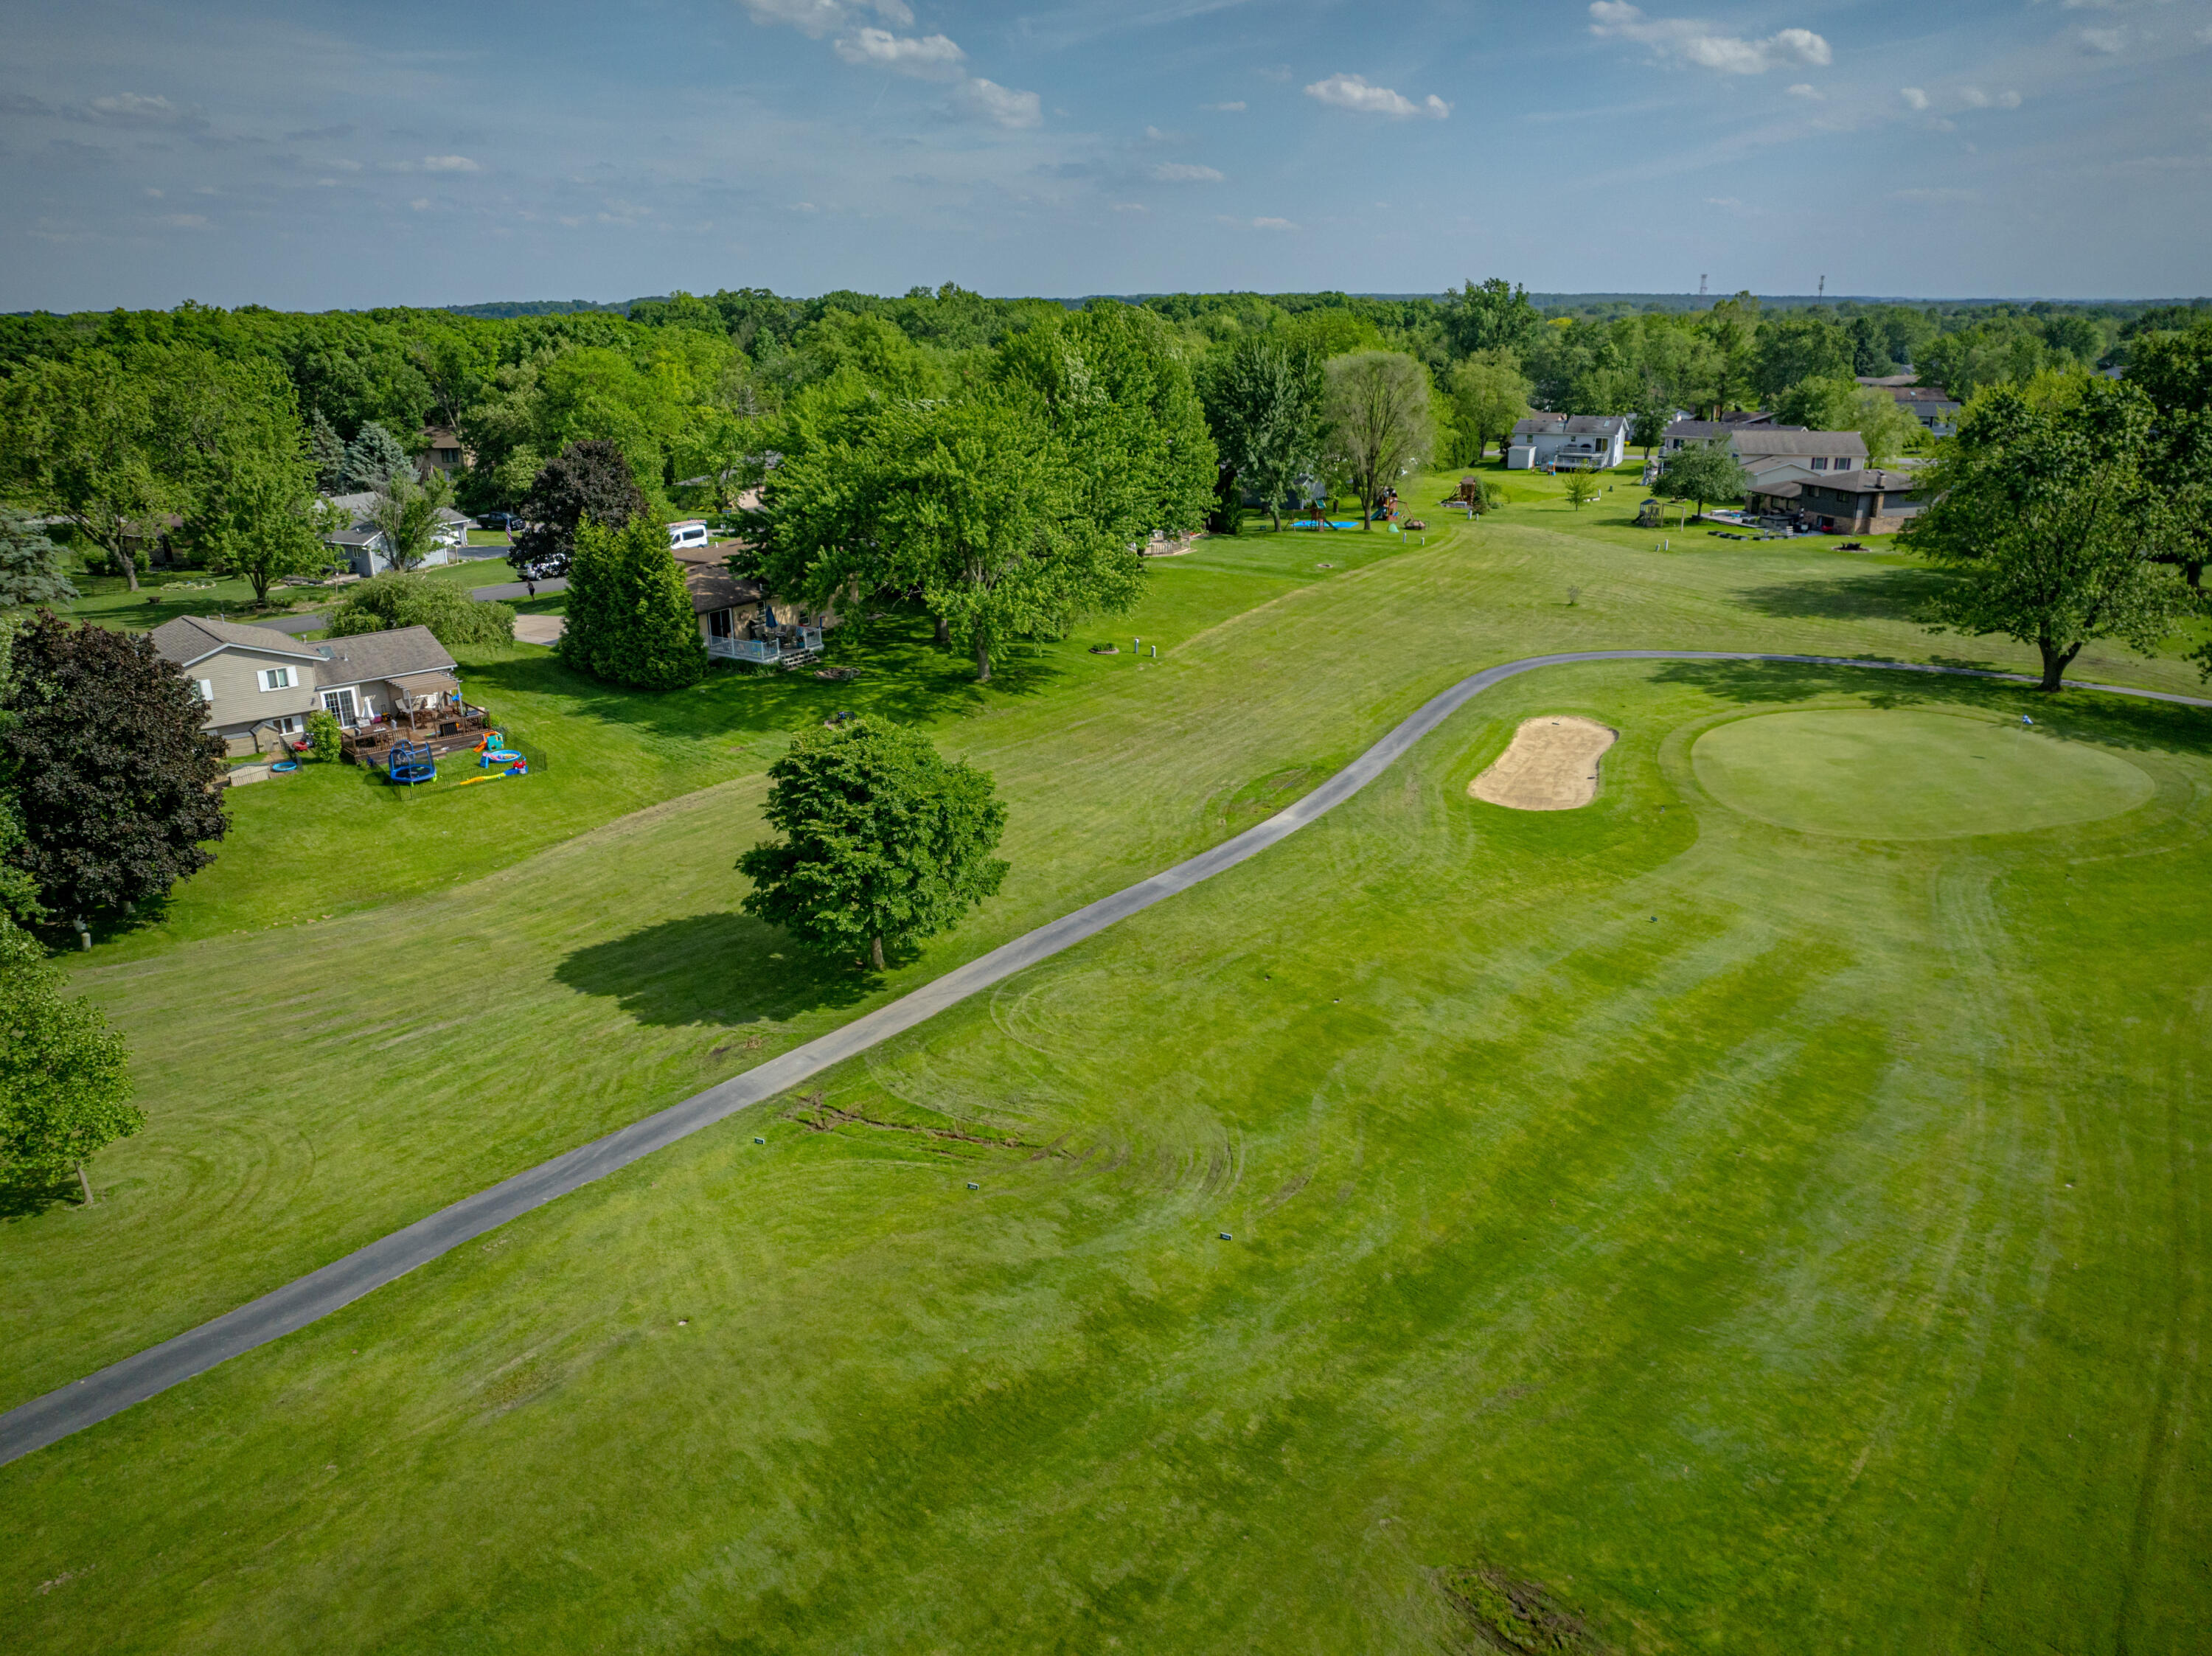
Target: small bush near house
[396, 600]
[323, 736]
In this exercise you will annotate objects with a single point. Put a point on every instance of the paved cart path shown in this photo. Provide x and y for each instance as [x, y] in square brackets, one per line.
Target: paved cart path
[298, 1303]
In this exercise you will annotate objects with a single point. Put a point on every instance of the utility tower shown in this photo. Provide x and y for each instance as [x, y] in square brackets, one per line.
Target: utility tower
[1701, 286]
[1823, 288]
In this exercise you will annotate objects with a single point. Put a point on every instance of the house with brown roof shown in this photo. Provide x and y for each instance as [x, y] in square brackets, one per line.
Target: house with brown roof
[738, 619]
[441, 452]
[1934, 407]
[255, 680]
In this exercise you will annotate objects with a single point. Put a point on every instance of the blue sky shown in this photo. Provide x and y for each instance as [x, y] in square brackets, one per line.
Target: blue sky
[313, 155]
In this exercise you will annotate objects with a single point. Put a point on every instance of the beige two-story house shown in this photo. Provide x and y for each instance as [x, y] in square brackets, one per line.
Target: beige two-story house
[258, 683]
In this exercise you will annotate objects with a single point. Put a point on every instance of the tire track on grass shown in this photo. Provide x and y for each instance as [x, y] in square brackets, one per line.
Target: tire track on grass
[308, 1299]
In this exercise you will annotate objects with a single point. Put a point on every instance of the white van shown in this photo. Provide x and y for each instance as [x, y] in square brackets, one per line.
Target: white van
[692, 532]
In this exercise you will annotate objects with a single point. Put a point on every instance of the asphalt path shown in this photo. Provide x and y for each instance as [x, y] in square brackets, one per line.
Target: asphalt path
[295, 1304]
[516, 589]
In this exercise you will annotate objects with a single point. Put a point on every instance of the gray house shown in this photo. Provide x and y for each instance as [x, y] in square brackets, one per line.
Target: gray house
[362, 544]
[256, 680]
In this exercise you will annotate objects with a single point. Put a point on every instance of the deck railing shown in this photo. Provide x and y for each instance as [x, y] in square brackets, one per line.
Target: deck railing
[767, 652]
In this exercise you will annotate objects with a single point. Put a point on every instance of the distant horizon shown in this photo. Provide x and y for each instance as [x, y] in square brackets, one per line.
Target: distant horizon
[1554, 299]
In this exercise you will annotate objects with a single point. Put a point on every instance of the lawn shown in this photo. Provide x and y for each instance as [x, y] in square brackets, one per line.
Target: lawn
[1763, 1237]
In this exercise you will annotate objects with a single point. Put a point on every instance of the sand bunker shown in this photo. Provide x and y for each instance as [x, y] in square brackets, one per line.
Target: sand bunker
[1551, 766]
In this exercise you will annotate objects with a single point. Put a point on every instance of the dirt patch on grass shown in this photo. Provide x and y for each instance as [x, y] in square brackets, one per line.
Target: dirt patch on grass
[1552, 765]
[1500, 1612]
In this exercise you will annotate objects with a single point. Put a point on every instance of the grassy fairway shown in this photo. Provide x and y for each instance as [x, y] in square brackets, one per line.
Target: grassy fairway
[1767, 1239]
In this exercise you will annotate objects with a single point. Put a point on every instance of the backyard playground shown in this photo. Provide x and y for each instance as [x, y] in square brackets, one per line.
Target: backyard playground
[1751, 1207]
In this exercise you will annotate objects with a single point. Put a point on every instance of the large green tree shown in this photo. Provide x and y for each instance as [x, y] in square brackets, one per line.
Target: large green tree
[64, 1079]
[588, 482]
[406, 513]
[117, 788]
[1489, 396]
[1704, 472]
[84, 440]
[629, 617]
[2044, 514]
[1114, 386]
[375, 458]
[1497, 316]
[1264, 402]
[974, 503]
[885, 842]
[1795, 348]
[1377, 414]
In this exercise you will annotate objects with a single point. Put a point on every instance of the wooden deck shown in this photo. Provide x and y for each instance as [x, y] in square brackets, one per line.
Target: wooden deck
[444, 729]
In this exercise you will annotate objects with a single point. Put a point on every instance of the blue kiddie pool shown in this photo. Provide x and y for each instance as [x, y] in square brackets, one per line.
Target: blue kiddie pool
[1310, 523]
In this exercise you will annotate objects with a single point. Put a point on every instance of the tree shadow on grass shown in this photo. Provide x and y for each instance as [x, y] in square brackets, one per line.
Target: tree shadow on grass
[26, 1195]
[1878, 594]
[725, 969]
[2076, 715]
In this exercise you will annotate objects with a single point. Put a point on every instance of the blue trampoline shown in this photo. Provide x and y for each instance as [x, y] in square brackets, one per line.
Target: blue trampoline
[412, 762]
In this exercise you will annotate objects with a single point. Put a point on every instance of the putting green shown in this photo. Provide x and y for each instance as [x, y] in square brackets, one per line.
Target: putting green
[1872, 774]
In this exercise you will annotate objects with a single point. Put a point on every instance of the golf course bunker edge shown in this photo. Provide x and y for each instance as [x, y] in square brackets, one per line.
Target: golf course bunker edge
[1874, 774]
[1551, 764]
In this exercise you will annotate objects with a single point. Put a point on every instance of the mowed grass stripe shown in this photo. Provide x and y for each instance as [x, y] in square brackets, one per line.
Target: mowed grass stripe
[1791, 1398]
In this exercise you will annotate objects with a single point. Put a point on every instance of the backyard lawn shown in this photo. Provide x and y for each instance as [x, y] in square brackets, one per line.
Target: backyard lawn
[1759, 1209]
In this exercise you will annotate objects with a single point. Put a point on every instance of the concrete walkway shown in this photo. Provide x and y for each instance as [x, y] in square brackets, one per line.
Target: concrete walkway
[285, 1310]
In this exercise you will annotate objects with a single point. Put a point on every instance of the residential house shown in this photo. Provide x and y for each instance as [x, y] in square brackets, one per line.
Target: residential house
[1868, 501]
[362, 546]
[1931, 405]
[442, 453]
[738, 620]
[256, 680]
[1579, 442]
[1679, 432]
[1778, 454]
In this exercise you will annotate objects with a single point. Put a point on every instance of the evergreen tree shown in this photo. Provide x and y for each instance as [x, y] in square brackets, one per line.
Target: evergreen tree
[117, 787]
[884, 843]
[373, 458]
[629, 619]
[327, 453]
[30, 564]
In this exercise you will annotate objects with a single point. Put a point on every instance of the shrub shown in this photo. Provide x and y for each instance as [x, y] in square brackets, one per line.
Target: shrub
[396, 600]
[323, 736]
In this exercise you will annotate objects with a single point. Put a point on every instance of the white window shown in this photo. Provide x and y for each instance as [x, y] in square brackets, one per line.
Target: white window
[206, 687]
[276, 678]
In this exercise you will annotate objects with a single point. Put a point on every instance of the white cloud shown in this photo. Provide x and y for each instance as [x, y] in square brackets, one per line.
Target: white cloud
[1695, 42]
[2204, 36]
[1805, 89]
[2103, 42]
[1932, 198]
[816, 18]
[184, 221]
[132, 109]
[932, 57]
[1235, 108]
[421, 203]
[449, 164]
[1913, 96]
[1183, 172]
[1352, 91]
[1130, 207]
[988, 100]
[1724, 200]
[1272, 224]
